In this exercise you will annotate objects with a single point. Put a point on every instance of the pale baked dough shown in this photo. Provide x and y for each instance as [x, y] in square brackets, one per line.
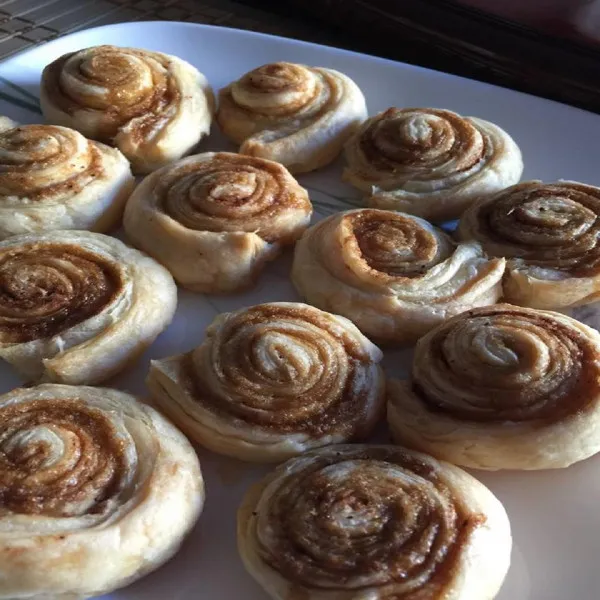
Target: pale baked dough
[53, 178]
[394, 275]
[272, 381]
[377, 522]
[502, 387]
[97, 491]
[77, 307]
[550, 234]
[430, 162]
[297, 115]
[154, 107]
[215, 219]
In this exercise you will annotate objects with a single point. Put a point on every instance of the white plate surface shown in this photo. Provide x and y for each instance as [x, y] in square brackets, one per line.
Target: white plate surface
[554, 514]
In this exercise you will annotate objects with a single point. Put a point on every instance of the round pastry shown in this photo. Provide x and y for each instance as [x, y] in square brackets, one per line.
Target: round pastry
[297, 115]
[215, 219]
[152, 106]
[502, 387]
[394, 275]
[550, 232]
[77, 307]
[97, 490]
[429, 162]
[357, 521]
[53, 178]
[272, 381]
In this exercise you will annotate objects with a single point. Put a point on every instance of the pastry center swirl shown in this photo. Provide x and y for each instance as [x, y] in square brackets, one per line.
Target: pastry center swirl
[46, 288]
[362, 519]
[58, 458]
[506, 366]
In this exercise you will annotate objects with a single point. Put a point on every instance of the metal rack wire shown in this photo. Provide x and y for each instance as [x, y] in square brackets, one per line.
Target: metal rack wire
[24, 23]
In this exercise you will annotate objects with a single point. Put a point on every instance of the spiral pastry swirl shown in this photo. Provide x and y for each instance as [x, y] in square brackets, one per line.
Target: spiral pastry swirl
[429, 162]
[502, 387]
[380, 522]
[272, 381]
[549, 232]
[152, 106]
[76, 307]
[96, 490]
[394, 275]
[215, 219]
[296, 115]
[54, 178]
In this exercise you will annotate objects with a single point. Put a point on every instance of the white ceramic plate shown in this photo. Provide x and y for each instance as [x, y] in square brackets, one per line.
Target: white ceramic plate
[554, 515]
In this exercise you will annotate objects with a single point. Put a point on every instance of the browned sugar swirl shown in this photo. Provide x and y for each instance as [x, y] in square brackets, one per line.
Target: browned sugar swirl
[366, 518]
[420, 139]
[58, 458]
[393, 244]
[46, 288]
[132, 83]
[41, 162]
[497, 365]
[286, 370]
[549, 225]
[229, 193]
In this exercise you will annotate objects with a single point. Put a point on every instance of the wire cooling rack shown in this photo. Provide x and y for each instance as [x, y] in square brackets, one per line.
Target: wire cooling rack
[24, 23]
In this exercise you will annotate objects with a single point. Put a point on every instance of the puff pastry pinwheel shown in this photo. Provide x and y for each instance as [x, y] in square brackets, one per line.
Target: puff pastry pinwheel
[297, 115]
[152, 106]
[77, 307]
[53, 178]
[97, 490]
[430, 162]
[394, 275]
[550, 232]
[215, 219]
[379, 522]
[272, 381]
[502, 387]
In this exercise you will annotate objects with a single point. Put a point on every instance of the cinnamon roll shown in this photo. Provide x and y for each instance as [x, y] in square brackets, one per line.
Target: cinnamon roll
[215, 219]
[272, 381]
[97, 490]
[53, 178]
[550, 234]
[77, 307]
[394, 275]
[297, 115]
[502, 387]
[359, 521]
[152, 106]
[429, 162]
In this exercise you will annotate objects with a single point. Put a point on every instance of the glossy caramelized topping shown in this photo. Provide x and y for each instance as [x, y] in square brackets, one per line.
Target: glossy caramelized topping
[41, 162]
[287, 368]
[358, 517]
[551, 225]
[59, 458]
[421, 142]
[122, 83]
[503, 363]
[46, 288]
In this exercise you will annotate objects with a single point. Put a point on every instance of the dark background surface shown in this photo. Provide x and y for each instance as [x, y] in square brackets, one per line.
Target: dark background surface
[530, 45]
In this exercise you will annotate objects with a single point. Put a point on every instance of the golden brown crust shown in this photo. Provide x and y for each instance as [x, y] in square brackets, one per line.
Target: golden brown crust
[153, 106]
[297, 115]
[549, 232]
[96, 490]
[379, 519]
[502, 387]
[76, 306]
[430, 162]
[214, 219]
[273, 380]
[394, 275]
